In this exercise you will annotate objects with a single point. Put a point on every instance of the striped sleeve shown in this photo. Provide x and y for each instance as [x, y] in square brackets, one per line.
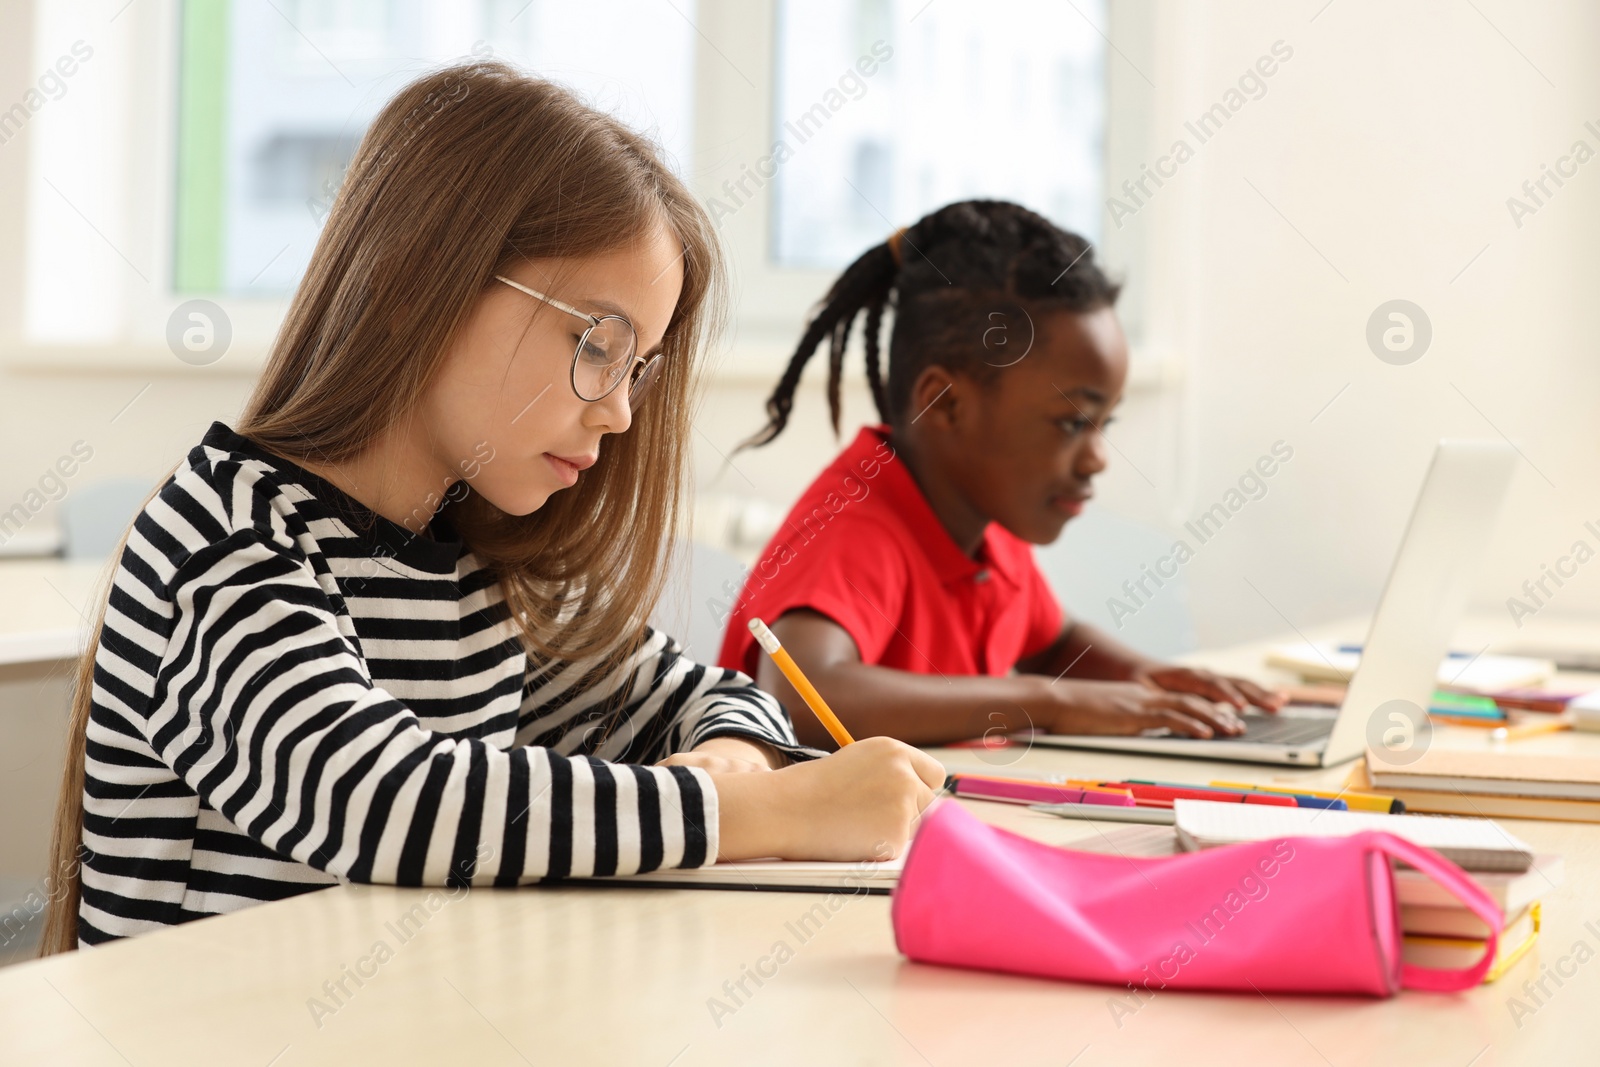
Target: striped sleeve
[668, 704]
[269, 714]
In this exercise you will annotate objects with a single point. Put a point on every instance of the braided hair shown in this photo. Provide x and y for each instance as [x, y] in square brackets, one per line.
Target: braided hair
[944, 276]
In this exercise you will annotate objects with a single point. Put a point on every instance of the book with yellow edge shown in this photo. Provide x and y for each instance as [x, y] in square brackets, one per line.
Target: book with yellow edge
[1446, 801]
[1543, 775]
[1426, 920]
[1457, 952]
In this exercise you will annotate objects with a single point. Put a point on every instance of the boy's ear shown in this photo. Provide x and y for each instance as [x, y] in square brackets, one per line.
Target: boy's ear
[935, 397]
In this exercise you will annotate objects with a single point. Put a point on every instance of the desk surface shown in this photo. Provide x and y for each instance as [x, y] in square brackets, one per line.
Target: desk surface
[45, 608]
[628, 975]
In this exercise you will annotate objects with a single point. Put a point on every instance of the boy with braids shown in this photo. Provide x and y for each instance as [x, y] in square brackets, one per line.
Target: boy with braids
[903, 582]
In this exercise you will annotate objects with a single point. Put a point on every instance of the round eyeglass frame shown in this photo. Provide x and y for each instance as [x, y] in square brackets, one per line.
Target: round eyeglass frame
[639, 383]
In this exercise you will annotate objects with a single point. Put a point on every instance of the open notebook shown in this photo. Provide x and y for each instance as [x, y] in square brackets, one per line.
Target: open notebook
[1475, 844]
[806, 876]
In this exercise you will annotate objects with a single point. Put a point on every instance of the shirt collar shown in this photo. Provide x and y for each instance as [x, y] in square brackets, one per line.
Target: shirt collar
[910, 504]
[379, 534]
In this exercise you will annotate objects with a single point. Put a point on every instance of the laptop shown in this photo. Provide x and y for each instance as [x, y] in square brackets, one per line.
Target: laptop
[1422, 603]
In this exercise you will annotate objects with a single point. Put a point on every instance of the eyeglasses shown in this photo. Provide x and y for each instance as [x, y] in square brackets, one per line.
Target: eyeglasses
[604, 357]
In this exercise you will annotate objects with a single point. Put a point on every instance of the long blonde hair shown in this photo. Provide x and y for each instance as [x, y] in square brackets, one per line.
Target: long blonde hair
[465, 173]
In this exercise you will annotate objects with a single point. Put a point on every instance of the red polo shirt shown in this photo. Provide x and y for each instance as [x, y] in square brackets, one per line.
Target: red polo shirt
[864, 548]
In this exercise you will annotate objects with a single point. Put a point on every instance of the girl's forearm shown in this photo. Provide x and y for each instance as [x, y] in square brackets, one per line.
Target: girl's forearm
[745, 748]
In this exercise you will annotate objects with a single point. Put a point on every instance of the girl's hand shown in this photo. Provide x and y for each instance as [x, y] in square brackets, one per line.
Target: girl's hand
[860, 803]
[1236, 691]
[726, 755]
[1125, 708]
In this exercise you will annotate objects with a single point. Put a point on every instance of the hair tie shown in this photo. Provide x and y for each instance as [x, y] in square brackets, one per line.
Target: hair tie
[894, 245]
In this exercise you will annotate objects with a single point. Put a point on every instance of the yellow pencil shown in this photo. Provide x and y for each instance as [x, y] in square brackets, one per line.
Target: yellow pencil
[1531, 729]
[802, 685]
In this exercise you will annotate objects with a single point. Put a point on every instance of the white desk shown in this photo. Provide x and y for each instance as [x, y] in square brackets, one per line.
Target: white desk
[45, 605]
[624, 976]
[45, 608]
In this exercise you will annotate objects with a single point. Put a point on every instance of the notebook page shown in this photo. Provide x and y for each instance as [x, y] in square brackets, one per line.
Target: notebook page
[878, 876]
[1475, 843]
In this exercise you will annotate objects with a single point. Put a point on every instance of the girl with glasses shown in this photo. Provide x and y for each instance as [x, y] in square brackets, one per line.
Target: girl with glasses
[390, 626]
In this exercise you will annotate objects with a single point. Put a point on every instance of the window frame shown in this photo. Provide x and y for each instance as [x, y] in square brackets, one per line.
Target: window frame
[734, 119]
[735, 125]
[145, 166]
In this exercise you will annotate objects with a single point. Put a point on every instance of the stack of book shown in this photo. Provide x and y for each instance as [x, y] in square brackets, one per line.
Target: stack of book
[1439, 931]
[1513, 785]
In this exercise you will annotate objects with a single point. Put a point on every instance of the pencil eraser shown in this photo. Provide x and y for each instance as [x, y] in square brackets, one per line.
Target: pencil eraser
[764, 637]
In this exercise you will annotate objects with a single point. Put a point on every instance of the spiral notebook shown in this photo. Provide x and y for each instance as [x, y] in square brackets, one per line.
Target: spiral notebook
[1474, 844]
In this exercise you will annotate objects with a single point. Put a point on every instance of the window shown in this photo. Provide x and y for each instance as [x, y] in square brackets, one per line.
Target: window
[274, 99]
[195, 148]
[892, 108]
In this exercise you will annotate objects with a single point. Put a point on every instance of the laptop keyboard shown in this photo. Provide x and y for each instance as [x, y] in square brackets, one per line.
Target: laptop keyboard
[1282, 730]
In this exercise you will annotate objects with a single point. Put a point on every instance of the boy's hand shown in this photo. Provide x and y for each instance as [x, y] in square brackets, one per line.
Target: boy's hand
[1125, 708]
[1236, 691]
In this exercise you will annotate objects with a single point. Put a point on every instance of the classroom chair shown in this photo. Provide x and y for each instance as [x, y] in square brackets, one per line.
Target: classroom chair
[1087, 565]
[94, 516]
[701, 586]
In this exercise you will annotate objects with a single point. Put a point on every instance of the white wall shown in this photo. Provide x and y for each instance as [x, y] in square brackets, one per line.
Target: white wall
[1390, 142]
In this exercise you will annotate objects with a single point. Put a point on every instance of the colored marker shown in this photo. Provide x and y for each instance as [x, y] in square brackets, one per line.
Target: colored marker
[1304, 800]
[1035, 793]
[1464, 706]
[1357, 801]
[1164, 795]
[1057, 781]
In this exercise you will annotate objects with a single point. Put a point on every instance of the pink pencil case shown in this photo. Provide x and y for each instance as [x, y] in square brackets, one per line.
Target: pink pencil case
[1299, 914]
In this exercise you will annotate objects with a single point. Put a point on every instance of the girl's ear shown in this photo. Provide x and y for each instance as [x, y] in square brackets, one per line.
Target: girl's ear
[936, 398]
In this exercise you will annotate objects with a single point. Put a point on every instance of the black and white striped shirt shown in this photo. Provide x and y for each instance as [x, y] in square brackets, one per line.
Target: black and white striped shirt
[291, 691]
